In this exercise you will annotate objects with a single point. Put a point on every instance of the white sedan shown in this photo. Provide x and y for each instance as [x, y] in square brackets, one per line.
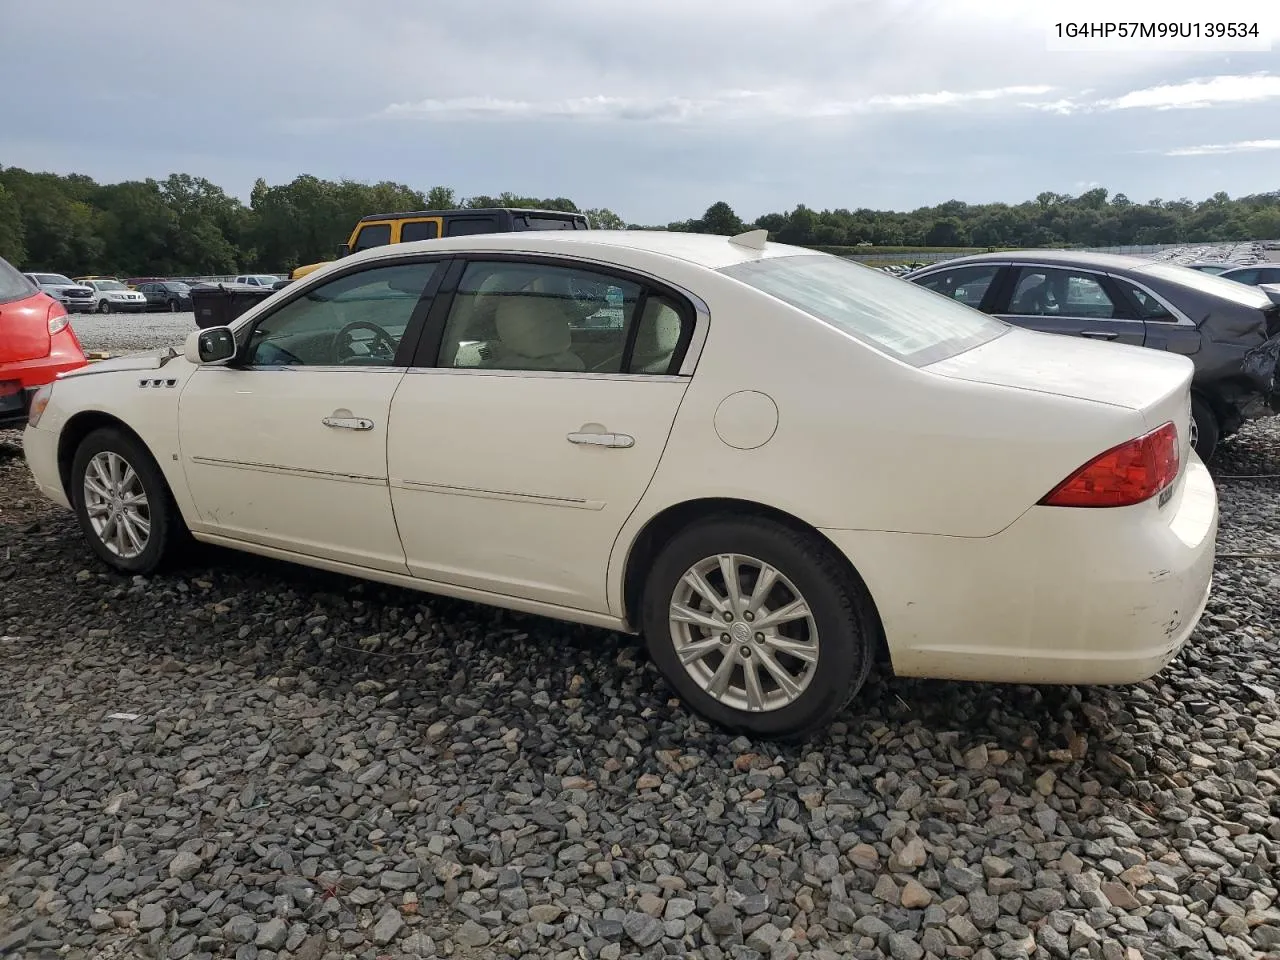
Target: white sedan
[776, 464]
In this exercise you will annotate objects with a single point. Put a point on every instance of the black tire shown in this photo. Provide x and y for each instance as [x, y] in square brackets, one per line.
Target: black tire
[168, 532]
[173, 306]
[841, 607]
[1208, 429]
[104, 306]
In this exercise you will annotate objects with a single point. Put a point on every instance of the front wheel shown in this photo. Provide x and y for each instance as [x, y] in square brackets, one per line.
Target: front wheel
[173, 306]
[123, 504]
[1206, 430]
[104, 306]
[760, 628]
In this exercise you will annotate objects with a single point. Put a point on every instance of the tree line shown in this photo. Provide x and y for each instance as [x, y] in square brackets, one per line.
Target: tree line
[185, 225]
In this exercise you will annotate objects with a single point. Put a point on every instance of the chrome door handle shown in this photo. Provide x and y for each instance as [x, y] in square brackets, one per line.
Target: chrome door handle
[348, 423]
[603, 439]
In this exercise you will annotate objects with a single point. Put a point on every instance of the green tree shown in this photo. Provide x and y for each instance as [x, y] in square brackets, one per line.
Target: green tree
[721, 219]
[11, 245]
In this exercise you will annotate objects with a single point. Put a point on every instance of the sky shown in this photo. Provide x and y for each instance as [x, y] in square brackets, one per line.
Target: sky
[653, 108]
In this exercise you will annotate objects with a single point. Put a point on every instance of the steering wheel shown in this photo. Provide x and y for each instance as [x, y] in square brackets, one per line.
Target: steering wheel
[381, 345]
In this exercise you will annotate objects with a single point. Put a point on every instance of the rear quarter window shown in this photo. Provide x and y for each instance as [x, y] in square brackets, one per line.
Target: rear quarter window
[895, 316]
[13, 285]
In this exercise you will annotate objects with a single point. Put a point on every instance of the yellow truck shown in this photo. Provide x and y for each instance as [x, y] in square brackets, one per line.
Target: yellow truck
[380, 229]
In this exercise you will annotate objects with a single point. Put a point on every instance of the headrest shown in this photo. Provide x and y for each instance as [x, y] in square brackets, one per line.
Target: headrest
[533, 325]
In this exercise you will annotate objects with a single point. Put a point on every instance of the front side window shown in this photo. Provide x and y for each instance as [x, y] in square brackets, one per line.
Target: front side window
[894, 316]
[530, 316]
[966, 284]
[373, 235]
[1045, 291]
[357, 319]
[418, 230]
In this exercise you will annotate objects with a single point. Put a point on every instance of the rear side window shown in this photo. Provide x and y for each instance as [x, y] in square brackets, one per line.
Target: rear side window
[1244, 276]
[894, 316]
[1149, 308]
[465, 226]
[418, 230]
[374, 235]
[13, 285]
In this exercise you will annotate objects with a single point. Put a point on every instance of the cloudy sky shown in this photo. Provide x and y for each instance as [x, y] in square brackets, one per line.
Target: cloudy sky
[654, 108]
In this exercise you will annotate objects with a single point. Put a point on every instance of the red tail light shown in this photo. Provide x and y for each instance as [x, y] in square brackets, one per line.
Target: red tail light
[1122, 476]
[58, 318]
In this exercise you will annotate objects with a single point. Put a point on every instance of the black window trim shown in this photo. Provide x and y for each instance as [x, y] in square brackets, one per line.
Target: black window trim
[409, 342]
[692, 316]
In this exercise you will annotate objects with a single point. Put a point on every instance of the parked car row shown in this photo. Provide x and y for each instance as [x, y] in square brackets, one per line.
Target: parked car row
[137, 294]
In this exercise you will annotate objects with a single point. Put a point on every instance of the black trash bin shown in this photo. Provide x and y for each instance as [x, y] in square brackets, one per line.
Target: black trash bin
[217, 304]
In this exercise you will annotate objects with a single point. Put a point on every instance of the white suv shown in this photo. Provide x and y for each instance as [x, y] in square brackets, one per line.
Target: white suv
[112, 296]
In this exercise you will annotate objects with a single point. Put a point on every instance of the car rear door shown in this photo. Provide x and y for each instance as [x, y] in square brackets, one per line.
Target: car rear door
[528, 427]
[1067, 300]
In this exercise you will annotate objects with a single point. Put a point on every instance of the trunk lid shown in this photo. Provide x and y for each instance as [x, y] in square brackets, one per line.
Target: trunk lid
[24, 329]
[1152, 382]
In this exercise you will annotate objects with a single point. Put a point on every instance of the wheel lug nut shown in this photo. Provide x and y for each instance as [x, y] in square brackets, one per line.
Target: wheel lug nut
[745, 651]
[759, 638]
[724, 638]
[748, 616]
[727, 616]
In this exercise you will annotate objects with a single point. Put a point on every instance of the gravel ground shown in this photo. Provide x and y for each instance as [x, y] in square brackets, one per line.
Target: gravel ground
[249, 759]
[119, 333]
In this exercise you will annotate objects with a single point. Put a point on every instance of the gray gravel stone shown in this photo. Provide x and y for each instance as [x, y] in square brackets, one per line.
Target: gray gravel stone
[334, 763]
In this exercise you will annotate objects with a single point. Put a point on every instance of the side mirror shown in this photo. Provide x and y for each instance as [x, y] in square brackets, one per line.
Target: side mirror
[210, 347]
[344, 249]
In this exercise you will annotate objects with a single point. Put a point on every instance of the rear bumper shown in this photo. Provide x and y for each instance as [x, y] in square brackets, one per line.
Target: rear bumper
[1061, 596]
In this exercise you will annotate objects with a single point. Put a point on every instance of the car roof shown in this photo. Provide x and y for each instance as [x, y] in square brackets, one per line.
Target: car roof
[706, 250]
[1066, 258]
[477, 212]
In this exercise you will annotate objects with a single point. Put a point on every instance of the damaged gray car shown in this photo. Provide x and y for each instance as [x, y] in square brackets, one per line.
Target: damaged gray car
[1230, 331]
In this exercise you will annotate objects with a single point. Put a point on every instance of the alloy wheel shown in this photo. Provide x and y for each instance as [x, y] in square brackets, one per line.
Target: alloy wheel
[117, 505]
[743, 632]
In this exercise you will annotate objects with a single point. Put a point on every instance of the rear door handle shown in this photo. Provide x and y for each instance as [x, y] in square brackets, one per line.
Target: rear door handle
[603, 439]
[348, 423]
[1099, 334]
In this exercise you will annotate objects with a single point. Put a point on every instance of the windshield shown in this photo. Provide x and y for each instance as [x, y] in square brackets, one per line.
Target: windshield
[109, 285]
[895, 316]
[52, 278]
[179, 287]
[1208, 283]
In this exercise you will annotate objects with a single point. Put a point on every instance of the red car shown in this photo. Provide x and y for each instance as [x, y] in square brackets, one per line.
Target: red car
[36, 343]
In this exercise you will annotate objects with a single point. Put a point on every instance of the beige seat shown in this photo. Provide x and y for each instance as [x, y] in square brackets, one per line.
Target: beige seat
[656, 339]
[533, 334]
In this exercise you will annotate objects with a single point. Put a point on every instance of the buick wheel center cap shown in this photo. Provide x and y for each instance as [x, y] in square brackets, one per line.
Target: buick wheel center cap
[740, 631]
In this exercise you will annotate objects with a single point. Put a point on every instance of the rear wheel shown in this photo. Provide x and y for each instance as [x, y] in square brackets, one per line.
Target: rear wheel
[123, 503]
[757, 626]
[1207, 429]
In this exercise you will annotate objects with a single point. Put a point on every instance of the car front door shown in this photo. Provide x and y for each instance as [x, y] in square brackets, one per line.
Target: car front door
[1070, 301]
[531, 424]
[287, 446]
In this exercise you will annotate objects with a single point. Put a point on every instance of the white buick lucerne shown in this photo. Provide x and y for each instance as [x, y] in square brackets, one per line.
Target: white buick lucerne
[774, 463]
